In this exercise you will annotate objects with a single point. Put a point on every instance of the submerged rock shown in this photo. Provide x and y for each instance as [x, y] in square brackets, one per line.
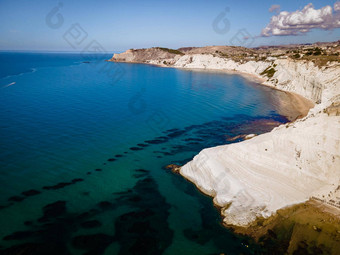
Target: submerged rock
[174, 168]
[250, 136]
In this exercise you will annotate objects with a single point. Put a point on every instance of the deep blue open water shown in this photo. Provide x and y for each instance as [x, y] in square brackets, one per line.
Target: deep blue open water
[84, 142]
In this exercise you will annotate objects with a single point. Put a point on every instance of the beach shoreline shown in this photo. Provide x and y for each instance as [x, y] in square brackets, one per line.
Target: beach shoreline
[262, 185]
[255, 178]
[292, 105]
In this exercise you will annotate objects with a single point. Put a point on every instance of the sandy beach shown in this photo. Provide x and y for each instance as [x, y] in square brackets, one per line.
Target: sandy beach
[256, 178]
[288, 104]
[294, 106]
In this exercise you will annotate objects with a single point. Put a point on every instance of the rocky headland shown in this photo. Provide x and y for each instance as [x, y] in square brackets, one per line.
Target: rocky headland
[294, 163]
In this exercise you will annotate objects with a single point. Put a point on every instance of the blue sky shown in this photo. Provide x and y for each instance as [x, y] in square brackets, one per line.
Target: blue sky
[120, 25]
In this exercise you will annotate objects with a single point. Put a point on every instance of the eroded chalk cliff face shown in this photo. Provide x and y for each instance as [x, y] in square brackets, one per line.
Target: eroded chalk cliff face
[259, 176]
[288, 165]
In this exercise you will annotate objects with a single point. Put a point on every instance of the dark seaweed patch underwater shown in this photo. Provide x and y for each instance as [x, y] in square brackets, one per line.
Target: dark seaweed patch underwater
[80, 173]
[144, 228]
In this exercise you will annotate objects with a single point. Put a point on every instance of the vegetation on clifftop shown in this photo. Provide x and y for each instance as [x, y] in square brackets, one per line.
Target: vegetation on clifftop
[171, 51]
[319, 56]
[307, 228]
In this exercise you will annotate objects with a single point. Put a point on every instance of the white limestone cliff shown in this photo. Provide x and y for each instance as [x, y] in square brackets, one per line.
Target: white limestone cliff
[288, 165]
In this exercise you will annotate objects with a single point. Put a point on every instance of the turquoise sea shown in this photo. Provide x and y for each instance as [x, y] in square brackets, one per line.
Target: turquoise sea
[83, 149]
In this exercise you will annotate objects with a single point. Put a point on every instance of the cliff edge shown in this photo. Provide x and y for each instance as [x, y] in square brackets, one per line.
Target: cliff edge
[290, 164]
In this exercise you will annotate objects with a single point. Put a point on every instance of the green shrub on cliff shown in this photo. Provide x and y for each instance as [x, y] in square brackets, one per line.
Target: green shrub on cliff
[269, 72]
[297, 55]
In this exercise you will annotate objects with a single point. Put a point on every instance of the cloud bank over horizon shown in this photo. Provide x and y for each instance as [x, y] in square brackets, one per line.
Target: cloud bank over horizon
[302, 21]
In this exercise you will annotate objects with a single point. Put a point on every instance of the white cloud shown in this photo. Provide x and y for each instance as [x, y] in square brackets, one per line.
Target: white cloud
[302, 21]
[337, 6]
[275, 8]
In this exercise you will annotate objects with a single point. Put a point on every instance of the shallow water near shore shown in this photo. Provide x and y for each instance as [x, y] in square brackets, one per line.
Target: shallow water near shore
[83, 151]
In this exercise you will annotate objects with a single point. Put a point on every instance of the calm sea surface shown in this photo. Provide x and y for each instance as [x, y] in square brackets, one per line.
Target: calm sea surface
[84, 142]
